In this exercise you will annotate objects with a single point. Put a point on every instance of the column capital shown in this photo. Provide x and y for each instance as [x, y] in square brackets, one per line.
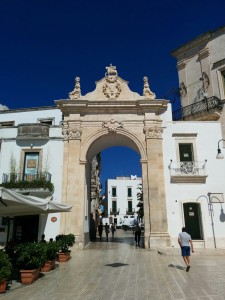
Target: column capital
[71, 133]
[153, 132]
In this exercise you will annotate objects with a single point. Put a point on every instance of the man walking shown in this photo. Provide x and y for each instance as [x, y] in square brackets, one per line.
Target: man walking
[137, 234]
[184, 240]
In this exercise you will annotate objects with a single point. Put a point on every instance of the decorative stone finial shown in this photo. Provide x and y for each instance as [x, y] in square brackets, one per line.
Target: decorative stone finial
[75, 94]
[147, 93]
[111, 72]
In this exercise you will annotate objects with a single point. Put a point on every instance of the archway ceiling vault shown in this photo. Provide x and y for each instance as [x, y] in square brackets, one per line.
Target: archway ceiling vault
[108, 141]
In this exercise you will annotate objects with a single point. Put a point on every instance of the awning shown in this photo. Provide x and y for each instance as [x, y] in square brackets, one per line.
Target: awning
[15, 204]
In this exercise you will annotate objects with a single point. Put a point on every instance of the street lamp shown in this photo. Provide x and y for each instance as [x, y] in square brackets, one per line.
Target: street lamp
[219, 154]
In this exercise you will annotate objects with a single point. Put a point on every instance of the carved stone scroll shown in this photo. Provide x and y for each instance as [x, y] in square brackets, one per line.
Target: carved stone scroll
[153, 132]
[112, 125]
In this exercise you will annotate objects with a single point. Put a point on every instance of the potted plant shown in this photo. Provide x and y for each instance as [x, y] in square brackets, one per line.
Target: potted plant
[51, 248]
[5, 270]
[65, 241]
[31, 257]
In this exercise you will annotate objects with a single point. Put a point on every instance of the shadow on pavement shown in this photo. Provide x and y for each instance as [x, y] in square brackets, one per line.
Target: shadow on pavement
[177, 267]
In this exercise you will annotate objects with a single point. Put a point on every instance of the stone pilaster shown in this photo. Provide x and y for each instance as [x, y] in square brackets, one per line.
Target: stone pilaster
[73, 182]
[154, 201]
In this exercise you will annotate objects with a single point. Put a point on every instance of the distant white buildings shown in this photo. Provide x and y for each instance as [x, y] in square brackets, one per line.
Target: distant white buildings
[121, 200]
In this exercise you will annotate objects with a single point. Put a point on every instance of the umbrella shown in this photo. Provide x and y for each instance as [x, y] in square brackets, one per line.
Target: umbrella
[15, 204]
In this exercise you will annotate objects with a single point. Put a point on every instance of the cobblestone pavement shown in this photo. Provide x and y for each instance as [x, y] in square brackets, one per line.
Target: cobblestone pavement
[119, 270]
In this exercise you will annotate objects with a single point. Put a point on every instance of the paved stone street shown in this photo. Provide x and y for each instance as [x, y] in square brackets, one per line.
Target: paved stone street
[120, 270]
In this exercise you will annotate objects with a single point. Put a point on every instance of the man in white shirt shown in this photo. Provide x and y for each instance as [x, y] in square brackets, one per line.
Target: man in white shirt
[184, 240]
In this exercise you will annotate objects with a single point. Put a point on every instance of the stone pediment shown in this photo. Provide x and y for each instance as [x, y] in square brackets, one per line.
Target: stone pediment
[111, 87]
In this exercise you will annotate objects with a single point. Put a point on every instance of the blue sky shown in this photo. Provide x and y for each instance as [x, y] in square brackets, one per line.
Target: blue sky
[46, 44]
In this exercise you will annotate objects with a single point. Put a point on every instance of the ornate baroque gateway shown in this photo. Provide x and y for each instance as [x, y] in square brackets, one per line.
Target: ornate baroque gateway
[113, 115]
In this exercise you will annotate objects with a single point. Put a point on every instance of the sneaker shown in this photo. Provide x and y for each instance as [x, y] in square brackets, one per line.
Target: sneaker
[188, 268]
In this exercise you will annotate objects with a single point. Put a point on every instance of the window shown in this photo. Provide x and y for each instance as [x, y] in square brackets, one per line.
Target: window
[223, 80]
[113, 191]
[186, 158]
[129, 192]
[186, 152]
[31, 165]
[5, 220]
[7, 124]
[185, 146]
[114, 206]
[48, 121]
[130, 206]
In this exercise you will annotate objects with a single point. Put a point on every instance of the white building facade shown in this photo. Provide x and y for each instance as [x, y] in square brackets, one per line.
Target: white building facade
[121, 197]
[201, 73]
[31, 148]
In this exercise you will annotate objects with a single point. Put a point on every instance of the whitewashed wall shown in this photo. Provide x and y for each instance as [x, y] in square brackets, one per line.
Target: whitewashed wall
[52, 155]
[208, 135]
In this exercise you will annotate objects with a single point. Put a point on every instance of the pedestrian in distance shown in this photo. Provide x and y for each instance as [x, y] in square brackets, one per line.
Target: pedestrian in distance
[43, 238]
[113, 229]
[137, 234]
[107, 231]
[185, 242]
[100, 229]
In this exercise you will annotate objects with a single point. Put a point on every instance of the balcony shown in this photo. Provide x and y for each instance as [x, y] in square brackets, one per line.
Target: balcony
[114, 212]
[33, 131]
[35, 184]
[188, 172]
[130, 211]
[207, 109]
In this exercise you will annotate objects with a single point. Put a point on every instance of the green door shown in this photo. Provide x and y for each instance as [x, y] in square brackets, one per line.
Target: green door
[193, 220]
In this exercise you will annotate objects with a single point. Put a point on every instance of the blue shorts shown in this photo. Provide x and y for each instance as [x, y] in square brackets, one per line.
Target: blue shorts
[185, 250]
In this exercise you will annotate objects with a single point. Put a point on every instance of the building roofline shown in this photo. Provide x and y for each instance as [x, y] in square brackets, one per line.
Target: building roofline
[197, 40]
[4, 111]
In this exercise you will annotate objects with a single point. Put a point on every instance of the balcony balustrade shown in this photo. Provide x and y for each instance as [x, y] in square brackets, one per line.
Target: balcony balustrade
[114, 212]
[130, 211]
[188, 171]
[33, 131]
[16, 177]
[37, 184]
[206, 105]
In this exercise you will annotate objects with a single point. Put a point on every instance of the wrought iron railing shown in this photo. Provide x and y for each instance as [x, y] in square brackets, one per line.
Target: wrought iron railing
[187, 168]
[114, 211]
[16, 177]
[207, 104]
[130, 211]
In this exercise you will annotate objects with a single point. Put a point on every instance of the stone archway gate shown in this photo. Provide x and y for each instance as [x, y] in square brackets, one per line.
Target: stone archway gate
[113, 115]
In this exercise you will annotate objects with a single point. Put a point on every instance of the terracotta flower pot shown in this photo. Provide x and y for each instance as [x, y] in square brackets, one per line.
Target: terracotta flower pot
[63, 257]
[29, 276]
[3, 285]
[48, 266]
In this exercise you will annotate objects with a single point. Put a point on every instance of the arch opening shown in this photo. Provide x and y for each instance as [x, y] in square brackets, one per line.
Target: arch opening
[121, 171]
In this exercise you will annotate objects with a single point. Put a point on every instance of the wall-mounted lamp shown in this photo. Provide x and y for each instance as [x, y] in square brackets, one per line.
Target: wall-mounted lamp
[219, 154]
[31, 145]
